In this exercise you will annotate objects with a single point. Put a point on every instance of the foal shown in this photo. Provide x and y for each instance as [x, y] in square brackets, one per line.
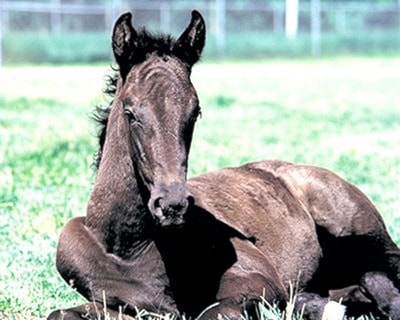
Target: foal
[152, 239]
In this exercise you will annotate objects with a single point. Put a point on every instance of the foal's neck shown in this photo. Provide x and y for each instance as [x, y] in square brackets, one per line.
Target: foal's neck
[116, 213]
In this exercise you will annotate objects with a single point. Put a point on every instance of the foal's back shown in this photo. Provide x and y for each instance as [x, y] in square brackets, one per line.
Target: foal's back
[299, 216]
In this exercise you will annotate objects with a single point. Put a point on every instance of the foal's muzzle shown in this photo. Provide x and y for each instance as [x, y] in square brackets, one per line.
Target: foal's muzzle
[169, 203]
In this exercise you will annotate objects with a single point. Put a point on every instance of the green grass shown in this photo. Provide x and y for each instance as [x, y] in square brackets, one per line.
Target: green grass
[342, 114]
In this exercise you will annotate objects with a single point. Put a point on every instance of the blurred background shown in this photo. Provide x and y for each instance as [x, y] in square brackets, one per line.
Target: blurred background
[71, 31]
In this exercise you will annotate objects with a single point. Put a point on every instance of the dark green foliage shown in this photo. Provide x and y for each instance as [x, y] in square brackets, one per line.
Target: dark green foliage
[27, 47]
[48, 48]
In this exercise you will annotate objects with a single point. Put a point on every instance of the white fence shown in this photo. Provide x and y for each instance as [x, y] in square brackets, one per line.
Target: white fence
[223, 17]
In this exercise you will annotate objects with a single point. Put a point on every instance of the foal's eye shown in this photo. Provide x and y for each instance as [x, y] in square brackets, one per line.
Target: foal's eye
[129, 115]
[133, 121]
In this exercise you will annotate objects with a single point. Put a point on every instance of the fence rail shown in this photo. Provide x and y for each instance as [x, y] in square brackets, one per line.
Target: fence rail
[224, 18]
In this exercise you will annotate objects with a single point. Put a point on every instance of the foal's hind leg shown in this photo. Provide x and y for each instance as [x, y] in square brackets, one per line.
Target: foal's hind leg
[354, 300]
[351, 232]
[349, 227]
[380, 289]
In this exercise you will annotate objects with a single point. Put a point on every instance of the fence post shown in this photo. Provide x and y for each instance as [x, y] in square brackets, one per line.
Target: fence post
[292, 18]
[220, 30]
[55, 17]
[315, 27]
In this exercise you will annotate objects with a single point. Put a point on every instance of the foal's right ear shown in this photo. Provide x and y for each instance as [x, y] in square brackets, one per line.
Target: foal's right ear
[124, 41]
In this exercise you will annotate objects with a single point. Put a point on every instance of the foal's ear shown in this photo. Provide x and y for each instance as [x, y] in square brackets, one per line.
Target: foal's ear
[124, 41]
[191, 42]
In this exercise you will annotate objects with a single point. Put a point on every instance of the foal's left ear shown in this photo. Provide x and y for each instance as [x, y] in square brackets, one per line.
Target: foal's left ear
[191, 42]
[124, 42]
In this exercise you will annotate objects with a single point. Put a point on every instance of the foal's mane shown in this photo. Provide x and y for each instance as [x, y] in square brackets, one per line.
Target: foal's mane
[147, 43]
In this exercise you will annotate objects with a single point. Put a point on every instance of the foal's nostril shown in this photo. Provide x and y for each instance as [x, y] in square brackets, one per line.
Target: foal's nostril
[175, 209]
[181, 207]
[190, 200]
[158, 203]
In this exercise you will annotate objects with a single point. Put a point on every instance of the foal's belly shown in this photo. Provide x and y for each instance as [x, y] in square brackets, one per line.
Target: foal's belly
[259, 206]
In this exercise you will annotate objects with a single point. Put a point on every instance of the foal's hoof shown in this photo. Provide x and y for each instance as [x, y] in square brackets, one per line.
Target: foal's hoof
[221, 312]
[90, 310]
[380, 289]
[64, 315]
[311, 305]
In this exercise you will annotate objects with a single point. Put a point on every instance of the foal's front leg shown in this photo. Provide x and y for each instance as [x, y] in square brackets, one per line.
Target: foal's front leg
[140, 282]
[90, 310]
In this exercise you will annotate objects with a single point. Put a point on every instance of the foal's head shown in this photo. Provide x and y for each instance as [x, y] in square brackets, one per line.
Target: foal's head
[161, 106]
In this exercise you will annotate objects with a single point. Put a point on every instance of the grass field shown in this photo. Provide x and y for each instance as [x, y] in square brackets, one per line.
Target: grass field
[342, 114]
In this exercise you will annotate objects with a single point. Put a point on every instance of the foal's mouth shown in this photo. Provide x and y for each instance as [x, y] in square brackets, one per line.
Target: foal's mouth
[171, 222]
[169, 203]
